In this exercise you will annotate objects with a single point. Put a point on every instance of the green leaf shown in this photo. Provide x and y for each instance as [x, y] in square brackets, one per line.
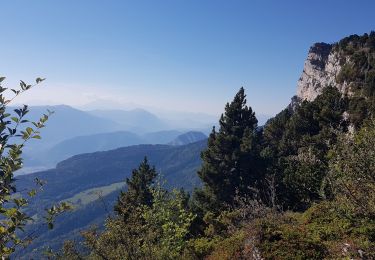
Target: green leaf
[32, 193]
[2, 79]
[24, 135]
[10, 212]
[38, 80]
[15, 119]
[29, 130]
[22, 85]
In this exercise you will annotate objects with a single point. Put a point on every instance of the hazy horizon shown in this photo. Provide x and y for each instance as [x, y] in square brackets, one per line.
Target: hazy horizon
[168, 55]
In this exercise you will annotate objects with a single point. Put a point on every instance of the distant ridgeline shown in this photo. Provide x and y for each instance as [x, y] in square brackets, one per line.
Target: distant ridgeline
[289, 190]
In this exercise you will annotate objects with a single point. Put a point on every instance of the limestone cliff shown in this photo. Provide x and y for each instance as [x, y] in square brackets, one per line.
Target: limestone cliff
[321, 69]
[349, 66]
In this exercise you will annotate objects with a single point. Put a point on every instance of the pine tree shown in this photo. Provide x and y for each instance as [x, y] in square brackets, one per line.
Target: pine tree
[138, 189]
[297, 145]
[230, 162]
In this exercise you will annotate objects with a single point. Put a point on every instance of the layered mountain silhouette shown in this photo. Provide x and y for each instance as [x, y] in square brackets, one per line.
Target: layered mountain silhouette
[70, 131]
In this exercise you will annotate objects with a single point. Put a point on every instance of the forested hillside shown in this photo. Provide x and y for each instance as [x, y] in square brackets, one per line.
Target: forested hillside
[92, 186]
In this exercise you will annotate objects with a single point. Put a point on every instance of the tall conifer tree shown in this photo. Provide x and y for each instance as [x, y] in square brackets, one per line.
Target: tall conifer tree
[230, 160]
[138, 189]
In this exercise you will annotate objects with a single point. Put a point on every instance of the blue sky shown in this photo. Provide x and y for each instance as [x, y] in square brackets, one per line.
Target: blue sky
[176, 55]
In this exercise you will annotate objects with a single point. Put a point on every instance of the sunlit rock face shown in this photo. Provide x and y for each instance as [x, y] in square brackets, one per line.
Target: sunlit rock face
[321, 69]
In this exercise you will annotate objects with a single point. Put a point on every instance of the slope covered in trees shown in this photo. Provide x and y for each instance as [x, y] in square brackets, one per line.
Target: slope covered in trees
[93, 186]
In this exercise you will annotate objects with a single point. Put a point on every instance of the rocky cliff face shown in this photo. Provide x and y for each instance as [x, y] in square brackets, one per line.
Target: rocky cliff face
[321, 69]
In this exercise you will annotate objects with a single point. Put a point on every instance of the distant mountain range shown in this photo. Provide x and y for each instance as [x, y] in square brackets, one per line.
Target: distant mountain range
[81, 179]
[89, 143]
[187, 138]
[135, 120]
[68, 122]
[70, 131]
[112, 140]
[161, 137]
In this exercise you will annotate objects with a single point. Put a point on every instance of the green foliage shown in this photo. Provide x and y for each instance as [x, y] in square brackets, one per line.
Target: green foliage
[168, 221]
[231, 161]
[119, 240]
[229, 248]
[352, 171]
[13, 217]
[159, 231]
[281, 237]
[15, 132]
[221, 234]
[274, 132]
[324, 231]
[154, 225]
[125, 235]
[321, 232]
[139, 189]
[296, 144]
[56, 210]
[69, 252]
[358, 70]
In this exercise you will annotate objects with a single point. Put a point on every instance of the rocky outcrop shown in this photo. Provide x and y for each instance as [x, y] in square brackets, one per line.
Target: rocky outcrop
[321, 69]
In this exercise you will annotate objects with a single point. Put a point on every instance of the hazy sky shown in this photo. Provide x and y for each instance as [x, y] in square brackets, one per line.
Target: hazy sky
[177, 54]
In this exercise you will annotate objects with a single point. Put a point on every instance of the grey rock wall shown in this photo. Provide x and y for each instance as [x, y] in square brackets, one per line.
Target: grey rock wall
[321, 69]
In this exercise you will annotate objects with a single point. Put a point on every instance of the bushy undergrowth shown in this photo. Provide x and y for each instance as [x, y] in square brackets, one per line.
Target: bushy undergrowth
[324, 231]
